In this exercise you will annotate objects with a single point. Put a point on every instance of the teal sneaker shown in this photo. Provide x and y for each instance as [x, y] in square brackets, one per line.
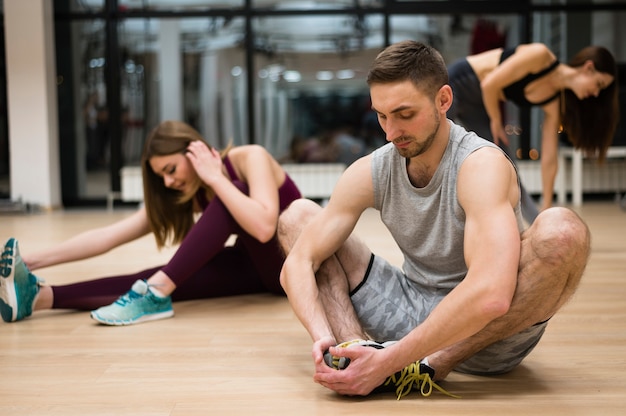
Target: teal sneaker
[140, 304]
[416, 375]
[18, 286]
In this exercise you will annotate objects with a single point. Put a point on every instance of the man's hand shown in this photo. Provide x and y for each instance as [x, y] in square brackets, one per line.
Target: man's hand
[320, 347]
[365, 372]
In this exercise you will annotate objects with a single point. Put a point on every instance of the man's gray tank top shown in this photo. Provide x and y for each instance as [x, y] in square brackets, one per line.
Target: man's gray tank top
[428, 223]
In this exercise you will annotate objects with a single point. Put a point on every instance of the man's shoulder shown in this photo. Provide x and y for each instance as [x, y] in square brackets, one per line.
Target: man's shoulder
[382, 156]
[385, 148]
[468, 139]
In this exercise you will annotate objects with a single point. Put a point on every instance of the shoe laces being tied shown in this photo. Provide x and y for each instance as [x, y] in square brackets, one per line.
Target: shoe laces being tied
[409, 377]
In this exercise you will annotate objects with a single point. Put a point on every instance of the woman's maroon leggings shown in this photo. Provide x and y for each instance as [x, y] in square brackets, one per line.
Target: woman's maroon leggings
[201, 267]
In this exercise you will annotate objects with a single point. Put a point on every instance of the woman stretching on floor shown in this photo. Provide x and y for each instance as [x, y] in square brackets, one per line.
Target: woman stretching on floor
[241, 191]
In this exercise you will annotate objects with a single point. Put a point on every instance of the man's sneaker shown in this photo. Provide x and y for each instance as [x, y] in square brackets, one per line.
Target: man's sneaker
[416, 375]
[339, 363]
[18, 286]
[140, 304]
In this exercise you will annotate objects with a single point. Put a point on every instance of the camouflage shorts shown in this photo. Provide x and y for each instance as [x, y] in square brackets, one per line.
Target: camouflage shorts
[389, 306]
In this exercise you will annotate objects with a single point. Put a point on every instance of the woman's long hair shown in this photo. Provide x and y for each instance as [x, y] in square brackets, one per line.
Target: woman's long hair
[590, 124]
[170, 212]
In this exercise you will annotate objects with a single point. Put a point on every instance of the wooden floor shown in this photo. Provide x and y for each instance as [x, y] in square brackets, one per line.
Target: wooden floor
[250, 356]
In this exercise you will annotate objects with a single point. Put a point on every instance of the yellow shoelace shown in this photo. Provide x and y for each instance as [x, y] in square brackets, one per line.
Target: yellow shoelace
[411, 376]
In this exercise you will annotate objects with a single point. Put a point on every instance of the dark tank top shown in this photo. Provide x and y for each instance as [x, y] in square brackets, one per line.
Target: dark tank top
[515, 91]
[287, 193]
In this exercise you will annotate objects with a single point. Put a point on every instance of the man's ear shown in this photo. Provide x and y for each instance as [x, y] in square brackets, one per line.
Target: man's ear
[444, 98]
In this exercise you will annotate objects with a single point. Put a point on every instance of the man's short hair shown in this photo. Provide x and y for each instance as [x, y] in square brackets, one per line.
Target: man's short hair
[410, 60]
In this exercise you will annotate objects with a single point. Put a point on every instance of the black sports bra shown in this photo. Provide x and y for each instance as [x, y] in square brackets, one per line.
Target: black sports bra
[515, 91]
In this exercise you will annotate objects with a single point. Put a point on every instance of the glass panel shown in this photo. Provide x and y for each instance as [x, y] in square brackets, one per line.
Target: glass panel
[180, 5]
[83, 116]
[309, 71]
[422, 28]
[311, 83]
[139, 97]
[576, 3]
[181, 69]
[308, 5]
[5, 183]
[609, 31]
[214, 87]
[169, 69]
[79, 5]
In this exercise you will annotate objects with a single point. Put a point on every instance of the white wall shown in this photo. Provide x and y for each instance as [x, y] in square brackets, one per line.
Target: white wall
[32, 102]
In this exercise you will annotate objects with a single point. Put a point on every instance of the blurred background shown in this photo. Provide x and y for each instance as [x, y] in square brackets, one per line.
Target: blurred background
[288, 75]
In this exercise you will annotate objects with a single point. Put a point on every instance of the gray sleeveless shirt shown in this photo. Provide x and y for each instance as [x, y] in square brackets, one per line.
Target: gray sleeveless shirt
[427, 223]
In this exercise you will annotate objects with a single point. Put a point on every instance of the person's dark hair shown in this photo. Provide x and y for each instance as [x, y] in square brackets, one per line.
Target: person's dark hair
[590, 124]
[410, 60]
[170, 212]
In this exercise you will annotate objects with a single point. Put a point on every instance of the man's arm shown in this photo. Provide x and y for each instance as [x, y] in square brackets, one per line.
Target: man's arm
[487, 189]
[319, 240]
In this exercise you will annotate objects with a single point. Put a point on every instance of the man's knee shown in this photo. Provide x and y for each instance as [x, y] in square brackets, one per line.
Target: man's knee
[293, 219]
[559, 234]
[298, 212]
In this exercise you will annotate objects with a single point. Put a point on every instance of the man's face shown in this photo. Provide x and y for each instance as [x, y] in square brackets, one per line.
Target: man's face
[408, 117]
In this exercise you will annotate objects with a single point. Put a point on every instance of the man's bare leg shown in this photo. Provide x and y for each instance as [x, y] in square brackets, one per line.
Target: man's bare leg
[555, 250]
[334, 286]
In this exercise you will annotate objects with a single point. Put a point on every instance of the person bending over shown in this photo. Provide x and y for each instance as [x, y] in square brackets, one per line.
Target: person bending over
[579, 98]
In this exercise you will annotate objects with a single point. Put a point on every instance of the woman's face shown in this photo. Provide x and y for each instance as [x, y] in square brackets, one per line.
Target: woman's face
[176, 171]
[590, 81]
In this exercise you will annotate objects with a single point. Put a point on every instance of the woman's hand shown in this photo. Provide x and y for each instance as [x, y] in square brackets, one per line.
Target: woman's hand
[206, 161]
[498, 133]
